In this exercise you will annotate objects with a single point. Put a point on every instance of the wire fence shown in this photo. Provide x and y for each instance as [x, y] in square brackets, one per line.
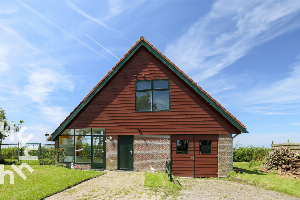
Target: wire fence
[15, 154]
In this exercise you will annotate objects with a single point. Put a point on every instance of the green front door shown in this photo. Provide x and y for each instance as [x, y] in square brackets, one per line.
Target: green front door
[98, 152]
[125, 152]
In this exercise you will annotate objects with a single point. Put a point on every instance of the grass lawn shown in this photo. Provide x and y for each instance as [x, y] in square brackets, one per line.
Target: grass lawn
[160, 182]
[42, 182]
[271, 181]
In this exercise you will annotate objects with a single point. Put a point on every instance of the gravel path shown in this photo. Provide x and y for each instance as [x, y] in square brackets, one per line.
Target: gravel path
[126, 185]
[222, 189]
[112, 185]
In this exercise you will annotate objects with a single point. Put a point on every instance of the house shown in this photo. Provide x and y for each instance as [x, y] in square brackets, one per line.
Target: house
[144, 111]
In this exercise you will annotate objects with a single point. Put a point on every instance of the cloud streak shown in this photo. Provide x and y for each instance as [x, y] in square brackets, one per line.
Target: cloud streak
[227, 33]
[98, 21]
[62, 30]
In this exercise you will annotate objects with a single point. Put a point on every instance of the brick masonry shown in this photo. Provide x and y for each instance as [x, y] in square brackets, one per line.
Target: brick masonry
[147, 150]
[224, 155]
[112, 152]
[151, 150]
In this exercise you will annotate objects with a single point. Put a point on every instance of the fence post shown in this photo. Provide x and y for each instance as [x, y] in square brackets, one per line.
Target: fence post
[40, 152]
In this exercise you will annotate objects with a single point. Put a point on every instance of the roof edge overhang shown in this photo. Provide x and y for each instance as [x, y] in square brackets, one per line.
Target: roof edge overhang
[164, 60]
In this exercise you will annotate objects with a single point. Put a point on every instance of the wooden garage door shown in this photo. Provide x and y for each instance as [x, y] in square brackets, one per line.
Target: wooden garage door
[195, 155]
[182, 155]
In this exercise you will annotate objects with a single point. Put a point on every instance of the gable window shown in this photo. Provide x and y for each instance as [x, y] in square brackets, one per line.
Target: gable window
[152, 95]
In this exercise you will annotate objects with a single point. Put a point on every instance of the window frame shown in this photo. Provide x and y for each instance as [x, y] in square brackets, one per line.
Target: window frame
[74, 135]
[151, 90]
[188, 148]
[200, 153]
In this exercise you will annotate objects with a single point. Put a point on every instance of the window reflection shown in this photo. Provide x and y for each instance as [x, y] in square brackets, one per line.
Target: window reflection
[182, 146]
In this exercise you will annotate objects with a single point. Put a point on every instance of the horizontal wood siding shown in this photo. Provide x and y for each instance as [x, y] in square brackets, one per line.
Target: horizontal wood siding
[183, 164]
[206, 165]
[113, 108]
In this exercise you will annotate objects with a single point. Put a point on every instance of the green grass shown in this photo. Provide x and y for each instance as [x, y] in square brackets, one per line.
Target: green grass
[160, 183]
[271, 181]
[44, 181]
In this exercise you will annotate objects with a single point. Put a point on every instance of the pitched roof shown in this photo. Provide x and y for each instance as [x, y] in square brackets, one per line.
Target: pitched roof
[142, 42]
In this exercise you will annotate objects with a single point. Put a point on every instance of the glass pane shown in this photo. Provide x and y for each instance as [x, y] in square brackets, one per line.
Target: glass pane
[182, 147]
[205, 147]
[83, 149]
[98, 149]
[143, 101]
[98, 131]
[83, 131]
[143, 85]
[68, 132]
[161, 84]
[161, 100]
[67, 143]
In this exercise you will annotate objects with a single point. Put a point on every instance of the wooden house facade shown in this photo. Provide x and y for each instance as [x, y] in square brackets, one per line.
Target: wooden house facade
[144, 111]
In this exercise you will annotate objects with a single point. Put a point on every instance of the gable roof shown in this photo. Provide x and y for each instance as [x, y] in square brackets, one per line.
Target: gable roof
[142, 42]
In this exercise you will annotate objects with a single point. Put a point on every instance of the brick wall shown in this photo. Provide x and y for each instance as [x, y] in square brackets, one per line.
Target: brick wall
[151, 150]
[112, 153]
[224, 155]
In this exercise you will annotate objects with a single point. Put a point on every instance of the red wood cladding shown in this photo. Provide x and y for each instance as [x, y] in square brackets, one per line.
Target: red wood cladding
[183, 164]
[113, 107]
[203, 165]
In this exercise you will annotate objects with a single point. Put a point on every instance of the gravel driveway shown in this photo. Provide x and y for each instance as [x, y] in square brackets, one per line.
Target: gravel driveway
[126, 185]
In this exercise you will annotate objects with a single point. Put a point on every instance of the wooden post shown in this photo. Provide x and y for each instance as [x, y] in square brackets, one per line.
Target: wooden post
[272, 142]
[288, 141]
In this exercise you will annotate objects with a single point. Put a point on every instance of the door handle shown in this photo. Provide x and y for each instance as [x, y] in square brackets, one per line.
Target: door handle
[131, 151]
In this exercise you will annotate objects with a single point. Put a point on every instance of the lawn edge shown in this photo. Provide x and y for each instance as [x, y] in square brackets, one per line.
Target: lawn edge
[103, 173]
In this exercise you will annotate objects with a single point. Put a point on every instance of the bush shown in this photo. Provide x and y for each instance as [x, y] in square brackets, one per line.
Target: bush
[249, 153]
[10, 155]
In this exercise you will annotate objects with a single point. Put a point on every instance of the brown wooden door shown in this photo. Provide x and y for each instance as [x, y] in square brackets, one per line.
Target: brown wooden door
[182, 155]
[201, 160]
[206, 162]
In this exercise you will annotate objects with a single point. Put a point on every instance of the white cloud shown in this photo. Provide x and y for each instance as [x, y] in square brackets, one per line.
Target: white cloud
[4, 66]
[44, 81]
[98, 21]
[285, 91]
[296, 124]
[54, 114]
[228, 32]
[59, 28]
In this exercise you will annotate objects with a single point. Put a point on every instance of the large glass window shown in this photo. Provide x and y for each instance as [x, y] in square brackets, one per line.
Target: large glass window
[182, 146]
[152, 95]
[205, 147]
[83, 149]
[78, 144]
[66, 141]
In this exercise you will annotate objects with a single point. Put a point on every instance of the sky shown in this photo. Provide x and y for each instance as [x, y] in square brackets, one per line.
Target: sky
[245, 54]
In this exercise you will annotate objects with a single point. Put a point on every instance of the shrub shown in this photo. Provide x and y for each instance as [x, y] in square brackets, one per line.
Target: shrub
[249, 153]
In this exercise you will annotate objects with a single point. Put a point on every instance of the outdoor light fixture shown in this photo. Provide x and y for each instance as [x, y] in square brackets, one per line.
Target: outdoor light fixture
[46, 135]
[139, 129]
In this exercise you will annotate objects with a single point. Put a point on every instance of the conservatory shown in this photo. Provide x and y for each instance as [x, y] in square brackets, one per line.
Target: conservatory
[83, 146]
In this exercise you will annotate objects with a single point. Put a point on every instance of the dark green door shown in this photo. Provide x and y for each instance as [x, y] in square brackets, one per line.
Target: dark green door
[125, 152]
[98, 152]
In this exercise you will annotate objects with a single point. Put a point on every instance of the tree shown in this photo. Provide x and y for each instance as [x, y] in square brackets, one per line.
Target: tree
[6, 128]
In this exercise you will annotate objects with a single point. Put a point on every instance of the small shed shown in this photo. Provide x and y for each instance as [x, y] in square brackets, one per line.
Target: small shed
[144, 111]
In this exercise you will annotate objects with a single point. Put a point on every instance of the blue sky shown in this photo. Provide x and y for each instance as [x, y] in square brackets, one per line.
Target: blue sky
[246, 54]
